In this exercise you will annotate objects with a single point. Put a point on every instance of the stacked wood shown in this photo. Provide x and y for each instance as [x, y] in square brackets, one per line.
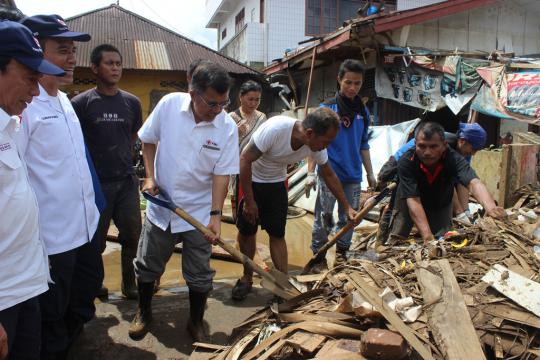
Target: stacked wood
[480, 299]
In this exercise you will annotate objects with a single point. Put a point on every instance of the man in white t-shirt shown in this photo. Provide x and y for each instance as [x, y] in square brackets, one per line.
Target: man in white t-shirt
[278, 142]
[190, 148]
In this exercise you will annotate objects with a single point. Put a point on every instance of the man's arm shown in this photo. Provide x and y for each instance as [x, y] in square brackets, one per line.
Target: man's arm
[3, 343]
[220, 184]
[149, 155]
[366, 160]
[331, 180]
[481, 193]
[250, 154]
[311, 179]
[418, 216]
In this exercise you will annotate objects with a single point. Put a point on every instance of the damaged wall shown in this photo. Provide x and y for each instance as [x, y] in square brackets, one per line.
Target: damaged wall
[484, 29]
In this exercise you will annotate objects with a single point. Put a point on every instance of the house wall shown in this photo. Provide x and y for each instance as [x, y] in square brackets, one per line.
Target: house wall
[229, 22]
[411, 4]
[507, 27]
[140, 83]
[285, 21]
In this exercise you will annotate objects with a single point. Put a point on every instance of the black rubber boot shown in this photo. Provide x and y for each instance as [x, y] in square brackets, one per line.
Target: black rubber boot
[196, 325]
[129, 287]
[141, 323]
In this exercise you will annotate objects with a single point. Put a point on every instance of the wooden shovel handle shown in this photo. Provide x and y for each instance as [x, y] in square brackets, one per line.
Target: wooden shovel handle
[230, 249]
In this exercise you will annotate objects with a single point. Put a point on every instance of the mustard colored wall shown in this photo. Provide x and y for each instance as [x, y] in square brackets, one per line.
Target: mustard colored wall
[140, 83]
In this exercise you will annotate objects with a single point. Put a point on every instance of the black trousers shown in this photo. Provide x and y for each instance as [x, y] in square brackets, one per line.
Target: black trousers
[22, 323]
[69, 302]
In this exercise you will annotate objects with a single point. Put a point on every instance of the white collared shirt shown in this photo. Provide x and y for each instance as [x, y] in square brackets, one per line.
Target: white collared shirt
[23, 260]
[52, 144]
[188, 155]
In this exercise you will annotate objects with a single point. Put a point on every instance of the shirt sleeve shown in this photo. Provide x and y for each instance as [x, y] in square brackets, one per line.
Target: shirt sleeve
[77, 106]
[229, 161]
[402, 150]
[465, 174]
[137, 123]
[365, 133]
[150, 130]
[320, 157]
[408, 183]
[264, 138]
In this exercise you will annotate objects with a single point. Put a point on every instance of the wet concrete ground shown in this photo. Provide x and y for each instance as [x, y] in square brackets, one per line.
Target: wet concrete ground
[106, 336]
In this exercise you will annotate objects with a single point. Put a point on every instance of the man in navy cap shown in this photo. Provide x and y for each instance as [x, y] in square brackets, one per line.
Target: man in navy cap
[23, 269]
[52, 144]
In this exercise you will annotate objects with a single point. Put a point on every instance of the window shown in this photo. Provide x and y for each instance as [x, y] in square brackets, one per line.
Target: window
[239, 21]
[253, 15]
[321, 16]
[224, 34]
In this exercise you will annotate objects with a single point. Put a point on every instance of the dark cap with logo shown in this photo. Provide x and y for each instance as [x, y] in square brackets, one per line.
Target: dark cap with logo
[53, 26]
[17, 42]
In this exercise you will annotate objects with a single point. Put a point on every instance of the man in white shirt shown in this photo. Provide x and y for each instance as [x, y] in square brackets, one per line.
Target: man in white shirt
[278, 142]
[52, 144]
[190, 148]
[23, 265]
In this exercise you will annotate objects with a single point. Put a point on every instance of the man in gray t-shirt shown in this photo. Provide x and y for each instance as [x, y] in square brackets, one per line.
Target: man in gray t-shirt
[110, 119]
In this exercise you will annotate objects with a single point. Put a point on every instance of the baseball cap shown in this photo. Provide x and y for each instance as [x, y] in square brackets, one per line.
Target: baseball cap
[52, 26]
[473, 134]
[17, 42]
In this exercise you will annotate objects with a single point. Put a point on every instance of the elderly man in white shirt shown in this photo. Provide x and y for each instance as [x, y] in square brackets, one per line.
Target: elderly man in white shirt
[23, 268]
[52, 144]
[190, 148]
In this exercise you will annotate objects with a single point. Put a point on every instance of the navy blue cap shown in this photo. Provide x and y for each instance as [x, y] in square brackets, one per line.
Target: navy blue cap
[17, 42]
[52, 26]
[473, 134]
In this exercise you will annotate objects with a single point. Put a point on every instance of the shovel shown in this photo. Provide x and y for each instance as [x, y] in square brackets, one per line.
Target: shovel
[370, 203]
[278, 285]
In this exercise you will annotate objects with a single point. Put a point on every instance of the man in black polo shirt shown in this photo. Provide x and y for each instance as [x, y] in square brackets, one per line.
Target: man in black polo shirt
[110, 119]
[428, 175]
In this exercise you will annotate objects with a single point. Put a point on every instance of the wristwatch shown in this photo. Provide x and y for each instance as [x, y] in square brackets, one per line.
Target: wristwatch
[215, 212]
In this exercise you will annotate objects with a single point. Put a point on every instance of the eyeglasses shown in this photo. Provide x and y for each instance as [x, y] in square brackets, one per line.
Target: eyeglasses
[214, 104]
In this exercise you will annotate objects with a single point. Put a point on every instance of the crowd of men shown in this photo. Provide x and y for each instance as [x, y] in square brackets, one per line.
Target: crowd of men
[66, 172]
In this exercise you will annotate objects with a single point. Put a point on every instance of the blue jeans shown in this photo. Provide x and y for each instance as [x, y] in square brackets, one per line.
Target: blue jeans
[324, 220]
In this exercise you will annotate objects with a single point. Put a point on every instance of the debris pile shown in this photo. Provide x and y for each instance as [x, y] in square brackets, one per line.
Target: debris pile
[474, 295]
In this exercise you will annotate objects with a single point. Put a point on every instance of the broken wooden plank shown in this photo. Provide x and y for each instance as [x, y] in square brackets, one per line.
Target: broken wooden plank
[342, 349]
[370, 294]
[513, 314]
[305, 341]
[523, 291]
[448, 317]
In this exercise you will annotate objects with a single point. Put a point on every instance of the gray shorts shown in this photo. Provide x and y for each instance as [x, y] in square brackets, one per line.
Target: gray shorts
[156, 247]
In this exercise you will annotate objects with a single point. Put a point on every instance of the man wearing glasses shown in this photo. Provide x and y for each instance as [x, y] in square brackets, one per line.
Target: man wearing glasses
[197, 152]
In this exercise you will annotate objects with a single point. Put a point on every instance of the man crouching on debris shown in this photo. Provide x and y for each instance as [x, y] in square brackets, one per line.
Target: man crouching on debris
[427, 177]
[190, 148]
[278, 142]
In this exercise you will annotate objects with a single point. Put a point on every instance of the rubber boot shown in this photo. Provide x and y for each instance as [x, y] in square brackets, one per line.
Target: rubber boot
[196, 326]
[141, 323]
[129, 288]
[341, 257]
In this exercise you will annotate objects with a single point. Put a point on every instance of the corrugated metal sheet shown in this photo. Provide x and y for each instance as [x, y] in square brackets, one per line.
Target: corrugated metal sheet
[151, 55]
[136, 38]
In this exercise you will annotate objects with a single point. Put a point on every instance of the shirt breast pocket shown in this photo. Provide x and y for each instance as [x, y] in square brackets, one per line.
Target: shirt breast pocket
[12, 181]
[207, 159]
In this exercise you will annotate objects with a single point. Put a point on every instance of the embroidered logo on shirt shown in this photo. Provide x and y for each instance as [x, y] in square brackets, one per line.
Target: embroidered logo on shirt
[5, 146]
[49, 117]
[210, 144]
[110, 117]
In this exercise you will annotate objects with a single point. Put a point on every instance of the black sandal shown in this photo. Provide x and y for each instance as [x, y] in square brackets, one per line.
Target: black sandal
[241, 289]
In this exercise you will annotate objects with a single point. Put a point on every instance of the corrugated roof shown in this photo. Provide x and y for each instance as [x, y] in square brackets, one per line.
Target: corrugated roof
[144, 44]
